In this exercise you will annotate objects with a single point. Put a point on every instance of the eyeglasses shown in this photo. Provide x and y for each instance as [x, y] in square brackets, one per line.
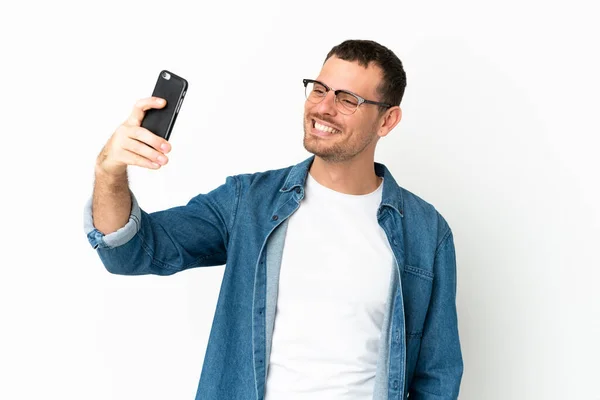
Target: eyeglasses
[346, 102]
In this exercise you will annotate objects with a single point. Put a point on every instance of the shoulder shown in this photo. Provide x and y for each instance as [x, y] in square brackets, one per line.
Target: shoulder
[423, 216]
[262, 180]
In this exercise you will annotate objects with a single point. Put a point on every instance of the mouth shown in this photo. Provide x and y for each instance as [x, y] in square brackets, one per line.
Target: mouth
[323, 130]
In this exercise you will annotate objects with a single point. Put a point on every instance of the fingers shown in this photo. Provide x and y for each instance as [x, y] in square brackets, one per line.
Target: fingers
[142, 149]
[150, 139]
[140, 108]
[132, 158]
[133, 145]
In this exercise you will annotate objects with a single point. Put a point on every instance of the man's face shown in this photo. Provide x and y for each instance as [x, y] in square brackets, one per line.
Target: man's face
[354, 134]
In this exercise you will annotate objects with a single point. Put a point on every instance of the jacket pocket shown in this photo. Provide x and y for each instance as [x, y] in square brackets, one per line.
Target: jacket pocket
[417, 284]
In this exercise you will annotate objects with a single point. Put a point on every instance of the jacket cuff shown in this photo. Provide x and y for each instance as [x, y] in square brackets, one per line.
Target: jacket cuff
[123, 235]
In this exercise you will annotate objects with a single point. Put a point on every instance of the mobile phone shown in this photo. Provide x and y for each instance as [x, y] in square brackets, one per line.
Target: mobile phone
[172, 88]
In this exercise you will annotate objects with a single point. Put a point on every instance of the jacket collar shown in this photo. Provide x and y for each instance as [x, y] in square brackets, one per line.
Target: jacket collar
[392, 193]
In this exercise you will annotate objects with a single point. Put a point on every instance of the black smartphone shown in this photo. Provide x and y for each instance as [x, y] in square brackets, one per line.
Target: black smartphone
[172, 88]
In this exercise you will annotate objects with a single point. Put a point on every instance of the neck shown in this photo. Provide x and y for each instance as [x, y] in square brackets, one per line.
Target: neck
[355, 176]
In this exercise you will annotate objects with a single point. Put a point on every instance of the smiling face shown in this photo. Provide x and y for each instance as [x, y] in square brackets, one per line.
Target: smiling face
[337, 137]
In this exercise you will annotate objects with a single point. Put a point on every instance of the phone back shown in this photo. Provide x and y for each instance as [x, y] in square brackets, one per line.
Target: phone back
[172, 88]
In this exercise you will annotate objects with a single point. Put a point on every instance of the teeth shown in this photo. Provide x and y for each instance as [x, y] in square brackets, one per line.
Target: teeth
[324, 128]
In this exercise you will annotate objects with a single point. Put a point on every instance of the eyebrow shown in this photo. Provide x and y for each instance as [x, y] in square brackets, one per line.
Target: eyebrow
[343, 90]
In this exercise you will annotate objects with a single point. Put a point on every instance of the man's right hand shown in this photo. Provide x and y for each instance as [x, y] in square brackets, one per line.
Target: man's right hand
[131, 144]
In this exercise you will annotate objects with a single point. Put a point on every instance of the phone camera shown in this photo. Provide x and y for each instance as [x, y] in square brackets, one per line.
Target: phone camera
[166, 75]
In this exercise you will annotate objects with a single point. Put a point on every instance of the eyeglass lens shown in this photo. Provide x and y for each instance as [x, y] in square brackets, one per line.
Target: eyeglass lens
[345, 102]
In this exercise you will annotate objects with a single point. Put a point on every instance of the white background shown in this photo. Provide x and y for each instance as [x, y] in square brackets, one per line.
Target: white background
[500, 132]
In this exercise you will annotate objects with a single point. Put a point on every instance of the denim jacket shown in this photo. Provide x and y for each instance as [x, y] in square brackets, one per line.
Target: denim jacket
[242, 224]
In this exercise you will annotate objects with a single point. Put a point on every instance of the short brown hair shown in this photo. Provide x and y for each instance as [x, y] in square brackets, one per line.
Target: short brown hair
[392, 86]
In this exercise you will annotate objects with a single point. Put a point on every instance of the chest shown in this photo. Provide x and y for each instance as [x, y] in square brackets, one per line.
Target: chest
[339, 259]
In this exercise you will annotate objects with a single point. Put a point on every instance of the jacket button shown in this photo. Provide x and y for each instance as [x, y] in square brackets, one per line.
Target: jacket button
[275, 218]
[395, 384]
[297, 190]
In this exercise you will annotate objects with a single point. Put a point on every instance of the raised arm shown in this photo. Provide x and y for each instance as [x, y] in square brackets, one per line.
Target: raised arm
[130, 144]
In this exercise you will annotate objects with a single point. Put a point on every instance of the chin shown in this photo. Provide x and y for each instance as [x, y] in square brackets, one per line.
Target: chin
[312, 145]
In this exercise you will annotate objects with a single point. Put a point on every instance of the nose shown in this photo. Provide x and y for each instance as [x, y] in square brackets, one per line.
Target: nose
[327, 105]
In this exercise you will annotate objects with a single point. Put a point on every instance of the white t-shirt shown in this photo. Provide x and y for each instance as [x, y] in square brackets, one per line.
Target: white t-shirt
[333, 285]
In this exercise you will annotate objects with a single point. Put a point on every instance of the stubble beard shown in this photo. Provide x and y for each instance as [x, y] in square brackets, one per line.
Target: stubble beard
[335, 152]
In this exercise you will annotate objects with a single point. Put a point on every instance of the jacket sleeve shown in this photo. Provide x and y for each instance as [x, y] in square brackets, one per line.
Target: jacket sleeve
[439, 368]
[172, 240]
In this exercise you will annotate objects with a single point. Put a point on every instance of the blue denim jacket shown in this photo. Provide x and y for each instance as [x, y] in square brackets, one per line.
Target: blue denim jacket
[242, 224]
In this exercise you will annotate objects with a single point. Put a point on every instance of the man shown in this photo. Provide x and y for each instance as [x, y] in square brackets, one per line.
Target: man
[338, 282]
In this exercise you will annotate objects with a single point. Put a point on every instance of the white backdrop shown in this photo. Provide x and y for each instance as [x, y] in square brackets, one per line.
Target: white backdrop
[500, 132]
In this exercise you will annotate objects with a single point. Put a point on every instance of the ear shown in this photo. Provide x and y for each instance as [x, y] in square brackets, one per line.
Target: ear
[390, 119]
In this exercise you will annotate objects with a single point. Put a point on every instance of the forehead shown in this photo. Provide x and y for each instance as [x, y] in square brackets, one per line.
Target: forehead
[349, 75]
